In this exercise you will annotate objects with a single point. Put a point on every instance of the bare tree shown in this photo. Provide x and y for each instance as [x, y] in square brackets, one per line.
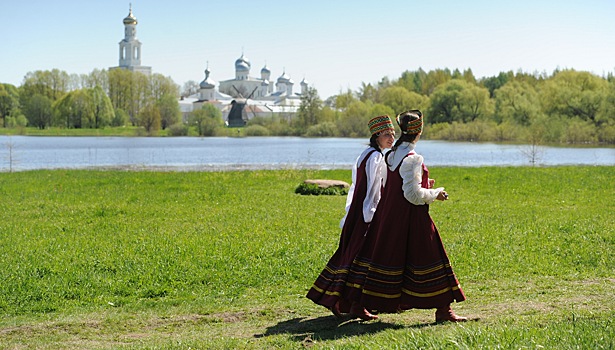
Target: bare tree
[190, 88]
[534, 150]
[10, 146]
[533, 153]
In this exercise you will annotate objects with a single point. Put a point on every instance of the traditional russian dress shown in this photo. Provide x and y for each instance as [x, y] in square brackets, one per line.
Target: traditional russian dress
[402, 263]
[368, 176]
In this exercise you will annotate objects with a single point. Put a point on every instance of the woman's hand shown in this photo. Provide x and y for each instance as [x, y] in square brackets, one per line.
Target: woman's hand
[430, 183]
[442, 196]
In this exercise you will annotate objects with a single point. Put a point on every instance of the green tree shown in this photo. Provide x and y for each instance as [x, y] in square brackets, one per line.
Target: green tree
[606, 117]
[412, 81]
[367, 92]
[16, 121]
[149, 118]
[579, 131]
[53, 84]
[96, 78]
[121, 91]
[353, 121]
[120, 118]
[456, 74]
[207, 119]
[102, 108]
[574, 94]
[9, 102]
[534, 79]
[169, 110]
[129, 91]
[161, 86]
[75, 82]
[468, 76]
[74, 110]
[607, 112]
[516, 102]
[399, 99]
[38, 111]
[276, 125]
[494, 83]
[141, 92]
[376, 110]
[545, 128]
[458, 100]
[343, 100]
[326, 129]
[310, 110]
[444, 102]
[474, 103]
[434, 79]
[329, 114]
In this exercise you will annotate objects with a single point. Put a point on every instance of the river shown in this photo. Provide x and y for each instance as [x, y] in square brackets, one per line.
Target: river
[20, 153]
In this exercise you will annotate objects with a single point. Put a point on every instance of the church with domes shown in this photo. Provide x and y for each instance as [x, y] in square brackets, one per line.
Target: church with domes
[257, 96]
[240, 98]
[258, 87]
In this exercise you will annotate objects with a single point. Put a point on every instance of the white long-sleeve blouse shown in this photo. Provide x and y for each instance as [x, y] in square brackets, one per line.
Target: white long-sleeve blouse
[411, 171]
[375, 169]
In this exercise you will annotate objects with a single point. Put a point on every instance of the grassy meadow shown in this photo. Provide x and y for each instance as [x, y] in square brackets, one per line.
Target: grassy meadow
[222, 260]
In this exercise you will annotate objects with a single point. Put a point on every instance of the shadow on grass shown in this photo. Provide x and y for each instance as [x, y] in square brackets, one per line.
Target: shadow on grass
[328, 328]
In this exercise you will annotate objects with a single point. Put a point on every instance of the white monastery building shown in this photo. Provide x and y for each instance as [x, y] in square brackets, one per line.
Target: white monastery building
[240, 99]
[250, 96]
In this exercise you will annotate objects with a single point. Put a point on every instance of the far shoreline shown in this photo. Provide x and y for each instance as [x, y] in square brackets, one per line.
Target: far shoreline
[130, 132]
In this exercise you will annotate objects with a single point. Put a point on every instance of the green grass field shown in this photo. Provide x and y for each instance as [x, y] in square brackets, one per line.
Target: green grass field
[222, 260]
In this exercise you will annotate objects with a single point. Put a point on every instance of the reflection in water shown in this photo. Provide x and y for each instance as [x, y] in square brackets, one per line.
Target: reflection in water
[222, 153]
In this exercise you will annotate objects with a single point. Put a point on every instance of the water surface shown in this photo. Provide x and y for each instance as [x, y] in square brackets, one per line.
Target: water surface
[225, 153]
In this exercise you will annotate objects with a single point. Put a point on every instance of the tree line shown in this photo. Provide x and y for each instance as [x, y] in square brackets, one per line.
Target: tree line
[566, 106]
[116, 97]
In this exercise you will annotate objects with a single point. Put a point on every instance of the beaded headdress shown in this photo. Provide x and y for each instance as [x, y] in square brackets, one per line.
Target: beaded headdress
[380, 124]
[410, 126]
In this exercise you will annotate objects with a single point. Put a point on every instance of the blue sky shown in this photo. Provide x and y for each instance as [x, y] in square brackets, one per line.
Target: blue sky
[334, 45]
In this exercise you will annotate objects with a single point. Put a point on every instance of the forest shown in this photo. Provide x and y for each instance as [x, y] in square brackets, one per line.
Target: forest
[565, 107]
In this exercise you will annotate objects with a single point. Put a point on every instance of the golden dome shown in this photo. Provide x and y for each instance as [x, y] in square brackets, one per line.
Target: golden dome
[130, 19]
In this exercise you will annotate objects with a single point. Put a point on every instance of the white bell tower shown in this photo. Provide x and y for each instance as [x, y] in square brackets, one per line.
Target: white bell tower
[130, 46]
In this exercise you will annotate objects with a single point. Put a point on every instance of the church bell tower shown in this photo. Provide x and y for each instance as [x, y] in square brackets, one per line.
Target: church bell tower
[130, 46]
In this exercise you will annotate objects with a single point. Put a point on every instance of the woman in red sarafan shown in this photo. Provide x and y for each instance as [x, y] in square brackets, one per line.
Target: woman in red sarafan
[368, 177]
[402, 264]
